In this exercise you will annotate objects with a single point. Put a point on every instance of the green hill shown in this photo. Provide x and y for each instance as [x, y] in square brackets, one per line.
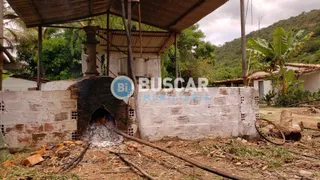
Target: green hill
[228, 57]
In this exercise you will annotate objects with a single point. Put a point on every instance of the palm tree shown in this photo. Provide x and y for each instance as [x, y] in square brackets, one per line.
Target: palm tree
[272, 56]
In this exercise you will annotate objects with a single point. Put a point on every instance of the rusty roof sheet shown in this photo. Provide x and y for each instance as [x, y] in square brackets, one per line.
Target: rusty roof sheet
[152, 41]
[172, 15]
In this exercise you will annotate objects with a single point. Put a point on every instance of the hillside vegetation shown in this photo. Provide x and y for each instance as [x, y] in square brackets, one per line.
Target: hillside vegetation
[228, 57]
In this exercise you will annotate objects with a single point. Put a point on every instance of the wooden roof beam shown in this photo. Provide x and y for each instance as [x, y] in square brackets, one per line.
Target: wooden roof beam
[165, 44]
[90, 7]
[199, 3]
[35, 10]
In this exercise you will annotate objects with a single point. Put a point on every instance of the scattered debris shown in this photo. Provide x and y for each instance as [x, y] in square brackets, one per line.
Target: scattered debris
[291, 130]
[304, 173]
[33, 160]
[102, 136]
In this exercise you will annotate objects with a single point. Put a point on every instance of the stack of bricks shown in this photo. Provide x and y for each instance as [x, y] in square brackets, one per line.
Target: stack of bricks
[34, 118]
[220, 112]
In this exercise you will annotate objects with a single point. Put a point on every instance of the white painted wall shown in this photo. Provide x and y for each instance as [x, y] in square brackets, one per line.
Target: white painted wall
[311, 81]
[266, 84]
[34, 118]
[226, 112]
[153, 64]
[17, 84]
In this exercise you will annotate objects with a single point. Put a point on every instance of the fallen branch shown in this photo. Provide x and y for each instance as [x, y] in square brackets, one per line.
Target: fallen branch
[191, 161]
[75, 161]
[304, 155]
[303, 102]
[131, 164]
[165, 164]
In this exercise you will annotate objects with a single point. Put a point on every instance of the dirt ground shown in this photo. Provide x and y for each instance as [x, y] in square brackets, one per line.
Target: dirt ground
[250, 159]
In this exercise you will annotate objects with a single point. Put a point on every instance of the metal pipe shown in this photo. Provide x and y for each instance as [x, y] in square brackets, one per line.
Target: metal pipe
[176, 54]
[39, 57]
[130, 72]
[108, 45]
[1, 42]
[140, 33]
[129, 14]
[243, 43]
[63, 27]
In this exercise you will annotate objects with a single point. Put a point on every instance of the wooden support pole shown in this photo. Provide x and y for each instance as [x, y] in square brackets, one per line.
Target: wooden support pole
[243, 43]
[140, 29]
[108, 44]
[176, 54]
[39, 58]
[1, 42]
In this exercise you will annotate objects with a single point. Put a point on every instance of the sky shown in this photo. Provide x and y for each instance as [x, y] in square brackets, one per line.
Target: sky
[223, 25]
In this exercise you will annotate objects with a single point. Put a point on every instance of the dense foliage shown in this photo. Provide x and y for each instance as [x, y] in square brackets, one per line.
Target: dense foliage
[228, 57]
[195, 56]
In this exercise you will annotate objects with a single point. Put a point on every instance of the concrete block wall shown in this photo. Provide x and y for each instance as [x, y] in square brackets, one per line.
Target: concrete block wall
[34, 118]
[221, 112]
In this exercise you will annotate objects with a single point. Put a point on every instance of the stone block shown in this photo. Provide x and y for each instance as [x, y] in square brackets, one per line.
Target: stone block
[72, 104]
[70, 125]
[62, 95]
[38, 138]
[48, 95]
[19, 127]
[34, 128]
[24, 139]
[37, 106]
[219, 101]
[17, 140]
[176, 111]
[61, 116]
[183, 119]
[11, 96]
[230, 109]
[30, 117]
[48, 127]
[12, 118]
[16, 106]
[53, 127]
[54, 106]
[32, 96]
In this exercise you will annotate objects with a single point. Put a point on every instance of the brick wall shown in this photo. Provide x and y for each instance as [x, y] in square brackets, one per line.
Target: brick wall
[222, 112]
[33, 118]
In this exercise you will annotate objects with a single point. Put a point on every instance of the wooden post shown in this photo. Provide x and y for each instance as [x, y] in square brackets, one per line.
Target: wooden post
[243, 43]
[39, 58]
[176, 54]
[108, 44]
[1, 42]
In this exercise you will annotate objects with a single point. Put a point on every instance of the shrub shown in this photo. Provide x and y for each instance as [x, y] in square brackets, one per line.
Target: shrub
[294, 96]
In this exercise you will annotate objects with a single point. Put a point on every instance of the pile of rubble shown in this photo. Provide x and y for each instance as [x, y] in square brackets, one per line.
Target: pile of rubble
[55, 155]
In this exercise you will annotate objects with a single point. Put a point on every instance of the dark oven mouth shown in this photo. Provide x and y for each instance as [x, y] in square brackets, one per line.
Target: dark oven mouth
[102, 116]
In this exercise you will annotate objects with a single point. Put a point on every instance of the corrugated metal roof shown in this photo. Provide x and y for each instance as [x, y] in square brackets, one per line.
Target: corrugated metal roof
[172, 15]
[152, 41]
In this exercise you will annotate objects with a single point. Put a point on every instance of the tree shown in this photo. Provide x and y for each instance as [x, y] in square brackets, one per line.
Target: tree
[195, 56]
[272, 56]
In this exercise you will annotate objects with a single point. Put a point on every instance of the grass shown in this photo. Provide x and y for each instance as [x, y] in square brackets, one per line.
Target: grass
[20, 171]
[275, 156]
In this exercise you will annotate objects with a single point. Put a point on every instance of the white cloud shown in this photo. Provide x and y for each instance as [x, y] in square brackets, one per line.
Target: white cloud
[223, 25]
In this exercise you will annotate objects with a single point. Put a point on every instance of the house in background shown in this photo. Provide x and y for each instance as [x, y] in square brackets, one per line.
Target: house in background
[147, 61]
[308, 73]
[20, 83]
